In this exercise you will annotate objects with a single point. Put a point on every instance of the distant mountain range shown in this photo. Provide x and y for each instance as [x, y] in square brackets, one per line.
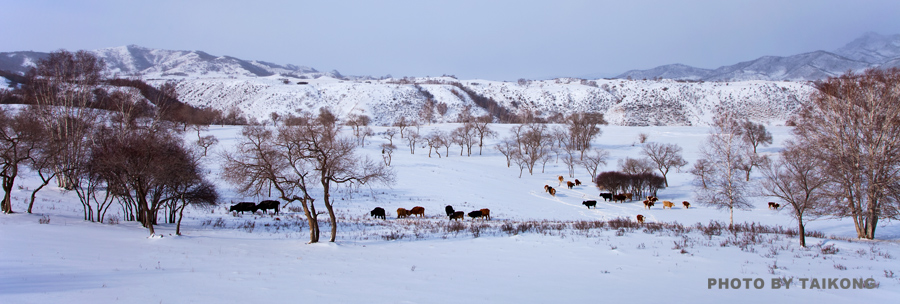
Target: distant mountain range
[869, 51]
[133, 60]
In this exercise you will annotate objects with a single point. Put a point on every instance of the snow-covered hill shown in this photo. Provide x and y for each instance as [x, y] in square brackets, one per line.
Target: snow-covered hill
[623, 102]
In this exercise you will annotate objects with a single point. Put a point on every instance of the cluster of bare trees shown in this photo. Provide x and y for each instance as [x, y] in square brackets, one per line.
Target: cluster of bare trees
[296, 159]
[844, 159]
[127, 155]
[534, 143]
[723, 170]
[850, 135]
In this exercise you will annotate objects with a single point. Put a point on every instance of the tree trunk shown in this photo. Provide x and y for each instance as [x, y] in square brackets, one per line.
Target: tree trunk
[802, 230]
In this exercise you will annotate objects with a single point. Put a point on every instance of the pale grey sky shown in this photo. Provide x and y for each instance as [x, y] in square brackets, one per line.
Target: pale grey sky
[497, 40]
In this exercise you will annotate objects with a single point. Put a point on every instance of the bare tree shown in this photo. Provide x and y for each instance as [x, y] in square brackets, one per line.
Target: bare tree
[702, 170]
[148, 177]
[387, 152]
[434, 141]
[726, 186]
[334, 159]
[665, 156]
[506, 147]
[207, 141]
[583, 127]
[412, 137]
[464, 136]
[536, 145]
[389, 135]
[755, 134]
[852, 125]
[592, 162]
[401, 124]
[263, 158]
[480, 126]
[20, 135]
[798, 181]
[360, 126]
[62, 87]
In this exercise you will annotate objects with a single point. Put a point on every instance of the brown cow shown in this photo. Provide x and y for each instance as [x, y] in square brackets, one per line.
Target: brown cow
[552, 191]
[577, 182]
[652, 198]
[561, 179]
[668, 204]
[402, 212]
[458, 215]
[619, 197]
[417, 211]
[628, 196]
[486, 213]
[686, 204]
[570, 184]
[547, 188]
[640, 219]
[648, 204]
[774, 205]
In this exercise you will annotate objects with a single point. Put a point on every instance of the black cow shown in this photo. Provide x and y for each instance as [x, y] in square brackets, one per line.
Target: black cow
[243, 206]
[474, 214]
[266, 205]
[590, 204]
[449, 210]
[458, 215]
[606, 196]
[378, 212]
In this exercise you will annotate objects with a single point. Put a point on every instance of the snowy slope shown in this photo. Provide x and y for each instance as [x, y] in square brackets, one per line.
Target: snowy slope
[623, 102]
[256, 258]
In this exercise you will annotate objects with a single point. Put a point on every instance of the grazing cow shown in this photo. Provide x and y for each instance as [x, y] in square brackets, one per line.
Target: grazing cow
[628, 196]
[640, 219]
[378, 212]
[486, 213]
[774, 205]
[417, 211]
[686, 204]
[474, 214]
[570, 184]
[577, 182]
[458, 215]
[449, 210]
[402, 212]
[648, 204]
[590, 204]
[552, 191]
[619, 197]
[266, 205]
[243, 206]
[606, 196]
[668, 204]
[561, 179]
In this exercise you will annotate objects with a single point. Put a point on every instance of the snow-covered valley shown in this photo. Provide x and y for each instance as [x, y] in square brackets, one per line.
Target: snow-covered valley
[537, 248]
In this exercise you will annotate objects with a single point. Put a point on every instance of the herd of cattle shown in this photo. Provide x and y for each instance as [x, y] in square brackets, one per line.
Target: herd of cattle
[485, 213]
[419, 211]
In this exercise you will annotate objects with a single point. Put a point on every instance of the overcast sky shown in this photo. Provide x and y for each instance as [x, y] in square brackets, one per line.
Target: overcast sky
[496, 40]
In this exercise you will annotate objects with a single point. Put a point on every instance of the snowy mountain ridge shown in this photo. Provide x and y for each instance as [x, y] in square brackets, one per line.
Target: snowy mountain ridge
[869, 51]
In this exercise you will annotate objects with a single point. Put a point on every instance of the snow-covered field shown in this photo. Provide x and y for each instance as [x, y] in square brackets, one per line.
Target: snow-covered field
[537, 248]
